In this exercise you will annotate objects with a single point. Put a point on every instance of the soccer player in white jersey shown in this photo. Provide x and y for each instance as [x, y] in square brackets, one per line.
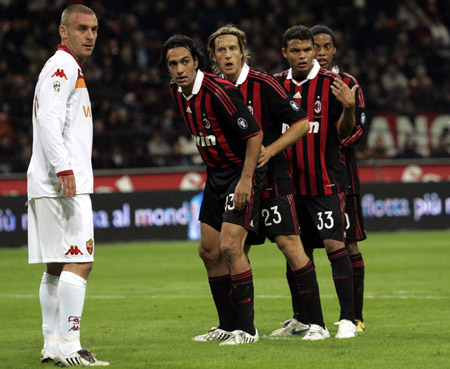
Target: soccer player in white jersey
[60, 181]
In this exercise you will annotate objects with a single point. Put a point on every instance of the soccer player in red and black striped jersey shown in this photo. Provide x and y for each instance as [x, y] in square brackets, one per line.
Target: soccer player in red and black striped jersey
[317, 165]
[273, 107]
[325, 51]
[229, 140]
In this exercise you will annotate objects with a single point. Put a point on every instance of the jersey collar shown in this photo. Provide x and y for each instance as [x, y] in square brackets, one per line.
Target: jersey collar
[66, 49]
[197, 84]
[311, 75]
[243, 76]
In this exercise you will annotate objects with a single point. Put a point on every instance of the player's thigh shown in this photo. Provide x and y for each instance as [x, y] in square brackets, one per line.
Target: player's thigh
[354, 221]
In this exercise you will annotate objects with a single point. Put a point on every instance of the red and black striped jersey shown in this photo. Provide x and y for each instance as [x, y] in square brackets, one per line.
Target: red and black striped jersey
[271, 106]
[218, 120]
[347, 144]
[316, 163]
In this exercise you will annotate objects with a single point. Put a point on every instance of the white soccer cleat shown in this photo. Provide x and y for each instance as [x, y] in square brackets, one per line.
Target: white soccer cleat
[82, 357]
[347, 329]
[214, 334]
[47, 356]
[239, 337]
[292, 327]
[316, 332]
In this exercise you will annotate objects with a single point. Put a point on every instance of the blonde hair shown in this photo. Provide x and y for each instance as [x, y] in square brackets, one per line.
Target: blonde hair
[229, 29]
[70, 10]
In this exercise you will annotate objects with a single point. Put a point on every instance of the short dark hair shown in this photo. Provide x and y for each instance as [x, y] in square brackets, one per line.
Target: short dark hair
[181, 41]
[320, 28]
[66, 15]
[297, 33]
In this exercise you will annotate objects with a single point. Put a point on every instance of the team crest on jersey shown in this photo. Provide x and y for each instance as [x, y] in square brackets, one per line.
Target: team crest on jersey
[317, 107]
[56, 86]
[294, 105]
[242, 123]
[90, 246]
[206, 123]
[250, 108]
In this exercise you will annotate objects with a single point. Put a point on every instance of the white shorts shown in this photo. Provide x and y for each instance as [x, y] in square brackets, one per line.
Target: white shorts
[60, 230]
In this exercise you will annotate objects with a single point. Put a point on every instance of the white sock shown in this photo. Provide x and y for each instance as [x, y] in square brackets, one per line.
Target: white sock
[48, 296]
[71, 294]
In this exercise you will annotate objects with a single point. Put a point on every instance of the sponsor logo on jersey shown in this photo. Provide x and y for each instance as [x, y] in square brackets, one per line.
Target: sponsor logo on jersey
[294, 105]
[90, 246]
[298, 95]
[317, 107]
[59, 73]
[242, 123]
[202, 140]
[188, 110]
[74, 250]
[206, 123]
[314, 127]
[56, 86]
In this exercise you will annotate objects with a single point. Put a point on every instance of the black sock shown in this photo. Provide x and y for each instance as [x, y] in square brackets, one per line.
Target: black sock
[358, 284]
[243, 296]
[221, 292]
[308, 290]
[295, 296]
[343, 282]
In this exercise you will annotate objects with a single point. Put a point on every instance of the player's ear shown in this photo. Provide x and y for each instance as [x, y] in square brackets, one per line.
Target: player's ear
[196, 62]
[283, 51]
[63, 32]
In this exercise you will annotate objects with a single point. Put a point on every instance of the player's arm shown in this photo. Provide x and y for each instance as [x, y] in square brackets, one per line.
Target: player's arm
[296, 131]
[347, 97]
[360, 116]
[50, 109]
[243, 189]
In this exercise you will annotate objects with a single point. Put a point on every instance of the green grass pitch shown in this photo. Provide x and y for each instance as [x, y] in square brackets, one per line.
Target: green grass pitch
[146, 300]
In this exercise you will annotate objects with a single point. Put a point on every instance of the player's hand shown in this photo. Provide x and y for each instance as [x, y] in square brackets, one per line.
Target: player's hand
[343, 92]
[264, 157]
[242, 194]
[67, 185]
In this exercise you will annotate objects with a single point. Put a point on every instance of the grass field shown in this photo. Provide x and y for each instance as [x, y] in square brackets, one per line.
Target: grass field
[146, 300]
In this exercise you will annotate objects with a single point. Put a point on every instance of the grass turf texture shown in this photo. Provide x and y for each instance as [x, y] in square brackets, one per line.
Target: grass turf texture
[145, 301]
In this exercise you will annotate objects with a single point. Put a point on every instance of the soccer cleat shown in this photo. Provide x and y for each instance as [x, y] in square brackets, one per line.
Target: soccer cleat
[47, 356]
[82, 357]
[346, 329]
[214, 334]
[316, 332]
[239, 337]
[360, 326]
[292, 327]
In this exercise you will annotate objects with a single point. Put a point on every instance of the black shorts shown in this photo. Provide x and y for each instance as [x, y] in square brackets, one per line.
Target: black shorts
[321, 218]
[354, 222]
[217, 205]
[277, 217]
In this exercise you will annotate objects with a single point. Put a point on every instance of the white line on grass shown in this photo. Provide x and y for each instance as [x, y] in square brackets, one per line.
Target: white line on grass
[403, 296]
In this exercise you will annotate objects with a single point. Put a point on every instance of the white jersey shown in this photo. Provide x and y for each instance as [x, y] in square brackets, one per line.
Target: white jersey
[62, 128]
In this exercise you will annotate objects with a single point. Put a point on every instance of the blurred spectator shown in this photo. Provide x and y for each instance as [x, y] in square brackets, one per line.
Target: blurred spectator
[158, 148]
[442, 149]
[378, 151]
[398, 51]
[409, 151]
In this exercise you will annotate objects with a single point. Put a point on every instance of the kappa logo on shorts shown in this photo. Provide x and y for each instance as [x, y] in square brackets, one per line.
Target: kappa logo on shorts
[90, 246]
[74, 250]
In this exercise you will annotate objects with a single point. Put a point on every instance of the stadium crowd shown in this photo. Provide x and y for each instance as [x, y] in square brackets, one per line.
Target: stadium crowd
[398, 50]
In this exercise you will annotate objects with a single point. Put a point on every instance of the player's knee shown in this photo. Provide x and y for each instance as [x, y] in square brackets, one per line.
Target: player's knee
[352, 248]
[208, 255]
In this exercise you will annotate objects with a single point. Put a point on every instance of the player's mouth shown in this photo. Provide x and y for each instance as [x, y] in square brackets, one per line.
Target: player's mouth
[228, 65]
[181, 79]
[322, 62]
[302, 65]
